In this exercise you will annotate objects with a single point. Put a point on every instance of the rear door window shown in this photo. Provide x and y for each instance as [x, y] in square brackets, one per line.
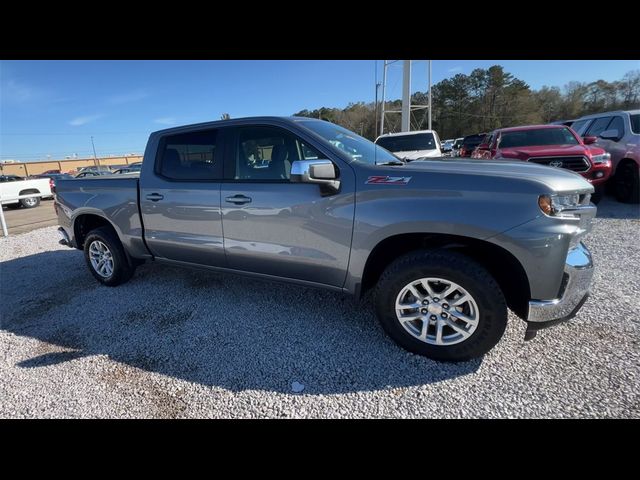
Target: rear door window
[191, 156]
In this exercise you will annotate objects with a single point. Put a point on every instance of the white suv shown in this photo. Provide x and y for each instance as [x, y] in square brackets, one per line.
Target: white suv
[619, 134]
[412, 145]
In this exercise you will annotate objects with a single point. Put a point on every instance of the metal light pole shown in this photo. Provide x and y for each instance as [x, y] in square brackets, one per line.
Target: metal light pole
[376, 110]
[95, 157]
[384, 85]
[429, 94]
[406, 96]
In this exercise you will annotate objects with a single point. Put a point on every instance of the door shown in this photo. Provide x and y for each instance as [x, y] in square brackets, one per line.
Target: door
[276, 227]
[180, 199]
[615, 146]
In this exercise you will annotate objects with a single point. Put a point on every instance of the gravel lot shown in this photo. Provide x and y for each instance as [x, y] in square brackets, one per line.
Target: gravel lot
[180, 343]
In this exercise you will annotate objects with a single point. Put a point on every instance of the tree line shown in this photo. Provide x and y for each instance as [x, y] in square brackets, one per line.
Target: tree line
[487, 99]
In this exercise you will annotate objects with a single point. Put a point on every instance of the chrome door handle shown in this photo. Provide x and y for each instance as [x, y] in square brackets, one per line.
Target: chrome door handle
[154, 197]
[238, 199]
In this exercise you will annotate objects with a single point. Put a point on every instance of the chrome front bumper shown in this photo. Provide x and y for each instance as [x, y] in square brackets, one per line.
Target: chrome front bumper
[578, 270]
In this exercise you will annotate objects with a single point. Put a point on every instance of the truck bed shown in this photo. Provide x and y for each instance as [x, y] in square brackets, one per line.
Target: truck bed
[108, 196]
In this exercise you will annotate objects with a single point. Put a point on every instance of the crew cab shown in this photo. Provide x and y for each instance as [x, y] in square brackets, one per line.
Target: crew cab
[445, 247]
[554, 145]
[618, 133]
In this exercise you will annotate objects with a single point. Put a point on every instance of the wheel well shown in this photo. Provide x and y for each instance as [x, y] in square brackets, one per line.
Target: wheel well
[87, 222]
[624, 162]
[28, 191]
[501, 264]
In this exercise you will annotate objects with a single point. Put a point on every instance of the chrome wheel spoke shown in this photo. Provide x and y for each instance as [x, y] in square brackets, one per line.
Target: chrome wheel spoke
[460, 300]
[448, 291]
[424, 330]
[453, 319]
[439, 328]
[415, 292]
[456, 327]
[427, 287]
[463, 317]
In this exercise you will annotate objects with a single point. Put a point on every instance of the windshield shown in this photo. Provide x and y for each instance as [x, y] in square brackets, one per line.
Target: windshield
[407, 143]
[357, 147]
[472, 141]
[543, 136]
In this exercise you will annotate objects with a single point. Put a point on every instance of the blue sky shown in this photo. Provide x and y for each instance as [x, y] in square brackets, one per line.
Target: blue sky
[54, 107]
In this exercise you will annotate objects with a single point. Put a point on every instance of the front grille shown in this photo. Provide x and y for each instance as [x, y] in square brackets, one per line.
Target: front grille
[575, 163]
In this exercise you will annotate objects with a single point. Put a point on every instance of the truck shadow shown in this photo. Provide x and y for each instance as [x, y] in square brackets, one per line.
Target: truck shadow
[207, 328]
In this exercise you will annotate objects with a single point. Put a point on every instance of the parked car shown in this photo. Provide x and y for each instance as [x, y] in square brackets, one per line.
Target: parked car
[457, 144]
[10, 178]
[53, 178]
[469, 144]
[12, 189]
[50, 172]
[93, 173]
[619, 134]
[95, 168]
[128, 169]
[552, 145]
[447, 146]
[411, 145]
[446, 245]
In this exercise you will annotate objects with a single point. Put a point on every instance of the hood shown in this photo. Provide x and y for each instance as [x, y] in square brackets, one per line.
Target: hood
[523, 153]
[415, 154]
[557, 179]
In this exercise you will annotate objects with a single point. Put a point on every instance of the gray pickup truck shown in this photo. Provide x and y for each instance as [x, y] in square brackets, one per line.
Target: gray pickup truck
[445, 245]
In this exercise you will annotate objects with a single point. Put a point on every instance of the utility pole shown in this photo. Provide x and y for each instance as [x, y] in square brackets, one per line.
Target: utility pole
[384, 84]
[95, 157]
[429, 95]
[406, 96]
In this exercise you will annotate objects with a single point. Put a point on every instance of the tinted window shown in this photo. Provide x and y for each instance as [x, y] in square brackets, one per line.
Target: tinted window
[357, 147]
[406, 143]
[580, 126]
[599, 126]
[617, 124]
[190, 156]
[266, 153]
[472, 141]
[543, 136]
[635, 123]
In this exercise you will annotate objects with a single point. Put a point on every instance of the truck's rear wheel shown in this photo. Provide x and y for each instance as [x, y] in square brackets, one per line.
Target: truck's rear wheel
[30, 202]
[627, 182]
[105, 257]
[441, 304]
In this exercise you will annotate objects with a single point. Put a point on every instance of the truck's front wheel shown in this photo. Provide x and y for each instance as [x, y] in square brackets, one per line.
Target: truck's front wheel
[441, 304]
[105, 257]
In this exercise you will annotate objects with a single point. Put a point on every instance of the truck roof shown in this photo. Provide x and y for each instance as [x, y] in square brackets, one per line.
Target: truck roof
[397, 134]
[232, 121]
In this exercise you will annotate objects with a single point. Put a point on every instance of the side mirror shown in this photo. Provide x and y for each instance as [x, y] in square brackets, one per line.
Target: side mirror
[589, 140]
[321, 172]
[483, 146]
[611, 134]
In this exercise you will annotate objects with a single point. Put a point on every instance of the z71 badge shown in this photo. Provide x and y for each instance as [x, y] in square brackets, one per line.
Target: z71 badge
[387, 180]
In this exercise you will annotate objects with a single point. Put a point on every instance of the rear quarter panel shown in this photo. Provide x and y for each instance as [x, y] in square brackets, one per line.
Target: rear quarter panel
[113, 198]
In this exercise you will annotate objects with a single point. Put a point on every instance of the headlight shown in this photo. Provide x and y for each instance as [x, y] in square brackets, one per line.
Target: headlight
[554, 205]
[603, 158]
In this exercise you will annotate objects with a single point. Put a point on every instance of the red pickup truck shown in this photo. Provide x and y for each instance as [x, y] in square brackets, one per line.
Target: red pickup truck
[553, 145]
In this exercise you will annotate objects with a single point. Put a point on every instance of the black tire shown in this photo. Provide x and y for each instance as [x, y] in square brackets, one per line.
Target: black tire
[458, 268]
[597, 194]
[122, 270]
[627, 182]
[32, 202]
